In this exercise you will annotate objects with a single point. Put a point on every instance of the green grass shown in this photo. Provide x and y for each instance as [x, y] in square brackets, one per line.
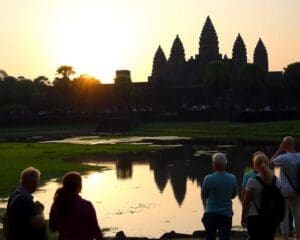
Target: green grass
[257, 131]
[51, 158]
[47, 129]
[271, 131]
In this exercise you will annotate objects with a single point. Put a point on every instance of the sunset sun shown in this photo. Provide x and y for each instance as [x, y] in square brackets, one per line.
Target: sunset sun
[92, 43]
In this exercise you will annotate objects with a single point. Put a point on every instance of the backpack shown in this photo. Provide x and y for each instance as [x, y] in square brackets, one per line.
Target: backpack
[296, 186]
[272, 206]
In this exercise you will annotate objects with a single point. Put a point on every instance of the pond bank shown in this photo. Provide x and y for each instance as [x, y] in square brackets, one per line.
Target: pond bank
[263, 131]
[51, 159]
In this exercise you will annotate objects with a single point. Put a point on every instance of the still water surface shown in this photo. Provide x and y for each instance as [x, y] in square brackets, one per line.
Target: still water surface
[152, 193]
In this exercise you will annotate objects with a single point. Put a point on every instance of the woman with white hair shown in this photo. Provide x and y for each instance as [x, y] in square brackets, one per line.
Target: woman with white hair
[217, 191]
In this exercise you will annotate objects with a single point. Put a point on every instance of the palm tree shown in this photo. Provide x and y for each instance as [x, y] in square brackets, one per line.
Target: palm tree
[62, 86]
[3, 74]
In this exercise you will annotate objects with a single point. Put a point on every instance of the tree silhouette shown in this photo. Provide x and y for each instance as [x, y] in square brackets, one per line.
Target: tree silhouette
[62, 86]
[251, 83]
[42, 80]
[217, 81]
[3, 74]
[85, 92]
[291, 78]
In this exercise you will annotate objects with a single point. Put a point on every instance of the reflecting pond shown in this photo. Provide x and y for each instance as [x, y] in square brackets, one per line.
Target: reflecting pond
[148, 194]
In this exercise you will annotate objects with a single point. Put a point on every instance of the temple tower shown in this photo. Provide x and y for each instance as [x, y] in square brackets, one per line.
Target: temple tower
[261, 55]
[239, 55]
[209, 43]
[159, 66]
[176, 62]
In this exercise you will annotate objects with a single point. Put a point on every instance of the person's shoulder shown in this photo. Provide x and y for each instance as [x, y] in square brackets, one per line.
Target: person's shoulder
[231, 176]
[209, 176]
[85, 203]
[20, 198]
[253, 182]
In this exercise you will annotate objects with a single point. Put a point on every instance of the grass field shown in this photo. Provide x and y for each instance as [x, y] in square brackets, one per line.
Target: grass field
[54, 159]
[272, 131]
[260, 131]
[51, 159]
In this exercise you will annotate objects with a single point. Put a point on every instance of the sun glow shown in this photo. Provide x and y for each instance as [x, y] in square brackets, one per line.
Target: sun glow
[92, 42]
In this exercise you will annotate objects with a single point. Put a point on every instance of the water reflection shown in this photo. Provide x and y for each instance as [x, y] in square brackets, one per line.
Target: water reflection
[148, 194]
[182, 164]
[124, 168]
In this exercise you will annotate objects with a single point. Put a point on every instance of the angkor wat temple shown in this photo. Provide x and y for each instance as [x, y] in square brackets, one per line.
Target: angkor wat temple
[177, 83]
[179, 71]
[178, 87]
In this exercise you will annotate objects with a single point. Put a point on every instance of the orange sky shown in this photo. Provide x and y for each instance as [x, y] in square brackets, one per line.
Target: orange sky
[100, 36]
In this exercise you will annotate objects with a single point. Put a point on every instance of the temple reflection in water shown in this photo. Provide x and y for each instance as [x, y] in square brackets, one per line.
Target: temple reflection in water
[179, 165]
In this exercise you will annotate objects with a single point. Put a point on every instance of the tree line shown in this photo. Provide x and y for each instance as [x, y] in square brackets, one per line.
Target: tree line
[85, 95]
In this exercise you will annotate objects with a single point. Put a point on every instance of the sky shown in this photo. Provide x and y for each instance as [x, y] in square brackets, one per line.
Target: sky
[97, 37]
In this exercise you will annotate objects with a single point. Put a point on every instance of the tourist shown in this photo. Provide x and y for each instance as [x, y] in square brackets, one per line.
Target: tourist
[288, 160]
[249, 173]
[25, 218]
[259, 225]
[218, 190]
[72, 216]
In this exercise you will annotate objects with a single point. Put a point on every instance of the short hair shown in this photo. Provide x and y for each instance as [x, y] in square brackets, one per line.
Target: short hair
[30, 175]
[289, 141]
[220, 159]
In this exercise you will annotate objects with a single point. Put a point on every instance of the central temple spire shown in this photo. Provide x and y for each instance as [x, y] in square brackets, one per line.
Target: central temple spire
[177, 52]
[239, 54]
[176, 62]
[209, 43]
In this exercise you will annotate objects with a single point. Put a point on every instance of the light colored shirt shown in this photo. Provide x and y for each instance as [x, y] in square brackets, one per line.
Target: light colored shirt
[289, 162]
[256, 188]
[218, 190]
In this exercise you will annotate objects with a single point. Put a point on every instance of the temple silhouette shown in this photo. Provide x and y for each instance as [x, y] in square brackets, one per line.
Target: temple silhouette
[207, 86]
[177, 70]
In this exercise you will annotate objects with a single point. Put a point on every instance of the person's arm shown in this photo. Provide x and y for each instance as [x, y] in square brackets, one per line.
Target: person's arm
[279, 151]
[235, 191]
[37, 221]
[26, 211]
[248, 195]
[204, 191]
[95, 228]
[54, 220]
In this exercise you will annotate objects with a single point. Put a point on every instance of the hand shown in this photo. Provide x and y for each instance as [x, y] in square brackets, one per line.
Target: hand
[281, 147]
[39, 207]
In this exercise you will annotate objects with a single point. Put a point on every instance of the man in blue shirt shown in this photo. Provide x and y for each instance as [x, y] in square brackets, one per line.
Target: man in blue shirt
[218, 190]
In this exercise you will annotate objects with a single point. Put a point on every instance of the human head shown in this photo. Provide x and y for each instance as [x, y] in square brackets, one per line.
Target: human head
[261, 162]
[72, 182]
[29, 179]
[288, 143]
[255, 154]
[219, 161]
